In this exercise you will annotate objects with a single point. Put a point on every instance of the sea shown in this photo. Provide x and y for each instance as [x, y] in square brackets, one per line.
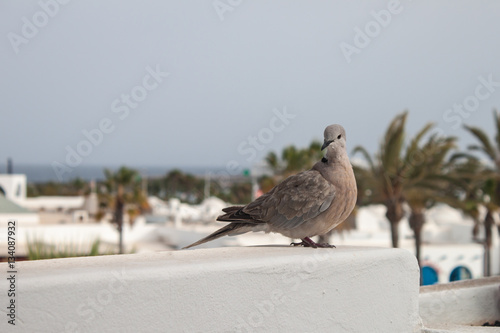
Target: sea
[40, 173]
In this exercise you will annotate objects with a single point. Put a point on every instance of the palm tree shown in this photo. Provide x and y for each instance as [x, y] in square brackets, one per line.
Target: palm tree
[492, 185]
[78, 185]
[426, 182]
[397, 168]
[465, 181]
[490, 202]
[120, 181]
[473, 185]
[485, 146]
[386, 170]
[184, 186]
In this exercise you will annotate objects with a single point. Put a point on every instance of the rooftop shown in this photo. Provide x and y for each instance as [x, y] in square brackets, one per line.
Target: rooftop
[9, 207]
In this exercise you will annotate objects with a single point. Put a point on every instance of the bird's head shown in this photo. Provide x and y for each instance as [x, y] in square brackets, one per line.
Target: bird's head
[334, 138]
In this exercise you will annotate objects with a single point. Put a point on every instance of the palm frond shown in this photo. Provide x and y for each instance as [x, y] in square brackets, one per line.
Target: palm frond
[460, 155]
[416, 140]
[484, 140]
[390, 152]
[497, 123]
[362, 150]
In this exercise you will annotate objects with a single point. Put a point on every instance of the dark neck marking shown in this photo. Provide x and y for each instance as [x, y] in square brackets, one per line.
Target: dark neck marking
[324, 160]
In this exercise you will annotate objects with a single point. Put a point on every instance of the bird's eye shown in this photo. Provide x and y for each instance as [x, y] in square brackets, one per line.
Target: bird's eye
[339, 136]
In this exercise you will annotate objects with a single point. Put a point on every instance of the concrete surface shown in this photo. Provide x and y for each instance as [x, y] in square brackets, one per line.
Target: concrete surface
[243, 289]
[461, 306]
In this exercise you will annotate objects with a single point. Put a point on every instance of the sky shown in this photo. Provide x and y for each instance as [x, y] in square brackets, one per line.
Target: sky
[221, 83]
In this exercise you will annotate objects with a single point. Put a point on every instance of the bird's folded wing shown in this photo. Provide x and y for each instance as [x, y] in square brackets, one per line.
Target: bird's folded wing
[296, 200]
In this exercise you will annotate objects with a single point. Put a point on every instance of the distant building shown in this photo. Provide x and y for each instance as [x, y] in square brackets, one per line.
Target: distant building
[11, 211]
[55, 203]
[13, 187]
[91, 204]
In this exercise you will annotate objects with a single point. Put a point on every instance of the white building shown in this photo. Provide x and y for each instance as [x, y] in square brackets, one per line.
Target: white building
[13, 187]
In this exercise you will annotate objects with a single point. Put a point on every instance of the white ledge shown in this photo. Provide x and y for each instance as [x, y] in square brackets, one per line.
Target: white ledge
[462, 306]
[245, 289]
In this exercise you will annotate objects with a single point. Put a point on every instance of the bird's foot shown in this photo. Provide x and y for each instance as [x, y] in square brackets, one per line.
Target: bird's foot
[308, 242]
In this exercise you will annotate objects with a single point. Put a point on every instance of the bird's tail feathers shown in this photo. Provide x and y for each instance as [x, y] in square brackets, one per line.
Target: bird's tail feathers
[232, 209]
[232, 229]
[235, 214]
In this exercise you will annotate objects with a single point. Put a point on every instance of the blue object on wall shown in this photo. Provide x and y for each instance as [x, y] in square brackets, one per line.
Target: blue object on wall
[460, 273]
[429, 276]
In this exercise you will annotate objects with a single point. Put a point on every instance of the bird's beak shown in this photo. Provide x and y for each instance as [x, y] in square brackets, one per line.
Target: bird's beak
[326, 144]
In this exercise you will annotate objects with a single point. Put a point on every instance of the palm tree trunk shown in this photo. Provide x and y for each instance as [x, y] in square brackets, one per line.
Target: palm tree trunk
[394, 214]
[119, 216]
[488, 225]
[394, 233]
[417, 220]
[418, 245]
[475, 229]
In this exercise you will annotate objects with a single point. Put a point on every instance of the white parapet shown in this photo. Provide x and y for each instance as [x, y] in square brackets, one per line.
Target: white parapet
[245, 289]
[462, 306]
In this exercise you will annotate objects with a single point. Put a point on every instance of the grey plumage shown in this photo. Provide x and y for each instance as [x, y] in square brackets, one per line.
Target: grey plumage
[307, 204]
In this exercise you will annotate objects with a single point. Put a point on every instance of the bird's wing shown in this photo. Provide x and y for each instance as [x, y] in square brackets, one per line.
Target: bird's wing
[296, 200]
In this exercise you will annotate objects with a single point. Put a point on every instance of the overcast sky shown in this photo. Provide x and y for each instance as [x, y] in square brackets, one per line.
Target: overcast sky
[203, 83]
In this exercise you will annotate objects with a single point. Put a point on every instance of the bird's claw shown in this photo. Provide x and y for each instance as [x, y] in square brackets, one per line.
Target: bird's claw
[307, 242]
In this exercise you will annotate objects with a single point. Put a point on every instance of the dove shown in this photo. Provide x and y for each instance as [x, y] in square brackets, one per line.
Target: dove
[304, 205]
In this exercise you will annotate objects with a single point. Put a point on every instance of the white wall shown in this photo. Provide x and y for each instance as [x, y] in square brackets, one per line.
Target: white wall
[14, 186]
[446, 257]
[259, 289]
[461, 306]
[22, 220]
[54, 203]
